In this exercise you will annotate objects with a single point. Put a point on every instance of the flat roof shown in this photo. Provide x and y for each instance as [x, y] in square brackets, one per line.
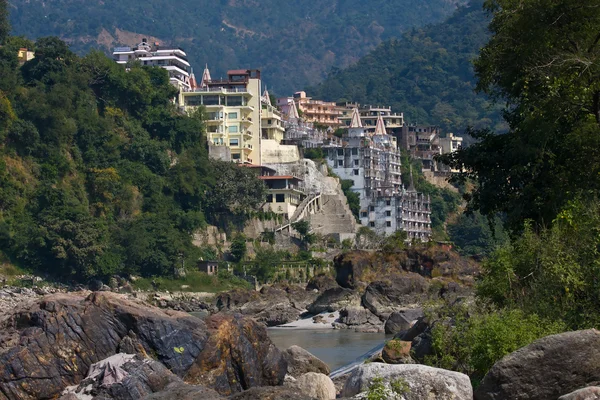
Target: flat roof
[277, 177]
[257, 166]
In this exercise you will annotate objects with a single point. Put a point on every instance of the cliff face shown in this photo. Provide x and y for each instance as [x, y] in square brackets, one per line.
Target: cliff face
[51, 344]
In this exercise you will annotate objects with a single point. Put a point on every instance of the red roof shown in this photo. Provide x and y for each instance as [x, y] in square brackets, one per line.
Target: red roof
[238, 72]
[278, 177]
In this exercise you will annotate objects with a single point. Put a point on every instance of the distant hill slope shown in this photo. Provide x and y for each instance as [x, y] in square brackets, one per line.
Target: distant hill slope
[427, 74]
[294, 43]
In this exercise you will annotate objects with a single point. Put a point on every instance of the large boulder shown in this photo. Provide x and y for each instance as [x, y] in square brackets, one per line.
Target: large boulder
[416, 382]
[333, 300]
[382, 298]
[359, 319]
[51, 344]
[315, 385]
[300, 361]
[321, 282]
[402, 320]
[397, 352]
[129, 377]
[545, 369]
[588, 393]
[350, 266]
[270, 393]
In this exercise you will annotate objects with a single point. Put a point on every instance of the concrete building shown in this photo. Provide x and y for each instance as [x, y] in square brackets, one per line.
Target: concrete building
[272, 124]
[449, 144]
[392, 121]
[173, 60]
[423, 143]
[24, 55]
[233, 109]
[315, 111]
[372, 162]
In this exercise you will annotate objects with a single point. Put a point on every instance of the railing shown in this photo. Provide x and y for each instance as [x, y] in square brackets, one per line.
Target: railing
[218, 90]
[299, 213]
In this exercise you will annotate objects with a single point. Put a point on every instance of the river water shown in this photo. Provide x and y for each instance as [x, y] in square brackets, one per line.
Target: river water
[336, 347]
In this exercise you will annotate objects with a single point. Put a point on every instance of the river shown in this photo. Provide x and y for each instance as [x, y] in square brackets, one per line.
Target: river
[336, 347]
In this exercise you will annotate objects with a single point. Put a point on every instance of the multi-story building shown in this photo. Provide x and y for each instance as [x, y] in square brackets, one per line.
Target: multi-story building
[272, 124]
[372, 162]
[233, 108]
[315, 111]
[173, 60]
[449, 144]
[423, 143]
[393, 122]
[302, 133]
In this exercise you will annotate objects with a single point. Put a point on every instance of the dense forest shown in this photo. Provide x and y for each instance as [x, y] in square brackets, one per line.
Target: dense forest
[99, 173]
[293, 44]
[427, 74]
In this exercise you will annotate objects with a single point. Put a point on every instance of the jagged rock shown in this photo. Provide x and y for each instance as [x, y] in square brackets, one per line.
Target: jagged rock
[418, 381]
[402, 320]
[334, 299]
[270, 393]
[588, 393]
[545, 369]
[397, 352]
[421, 346]
[234, 299]
[321, 282]
[415, 330]
[129, 377]
[359, 319]
[349, 267]
[300, 361]
[70, 332]
[384, 297]
[315, 385]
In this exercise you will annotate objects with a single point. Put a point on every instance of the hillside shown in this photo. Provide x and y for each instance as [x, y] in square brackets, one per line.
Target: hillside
[294, 45]
[427, 74]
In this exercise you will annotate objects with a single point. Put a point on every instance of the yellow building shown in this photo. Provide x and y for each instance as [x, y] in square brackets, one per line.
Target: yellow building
[315, 111]
[271, 121]
[25, 55]
[233, 107]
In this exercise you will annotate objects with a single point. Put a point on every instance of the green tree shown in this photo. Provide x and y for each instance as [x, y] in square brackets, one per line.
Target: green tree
[4, 22]
[238, 247]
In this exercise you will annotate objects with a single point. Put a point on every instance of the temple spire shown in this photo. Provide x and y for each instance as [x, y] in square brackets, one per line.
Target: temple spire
[193, 84]
[205, 77]
[380, 127]
[355, 122]
[292, 111]
[266, 97]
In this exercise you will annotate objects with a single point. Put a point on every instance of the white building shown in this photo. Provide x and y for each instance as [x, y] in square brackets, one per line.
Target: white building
[372, 162]
[173, 60]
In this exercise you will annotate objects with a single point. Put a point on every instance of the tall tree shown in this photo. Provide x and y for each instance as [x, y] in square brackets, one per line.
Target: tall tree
[543, 61]
[4, 22]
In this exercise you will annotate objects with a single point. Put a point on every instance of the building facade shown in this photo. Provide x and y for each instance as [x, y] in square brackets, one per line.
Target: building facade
[372, 162]
[316, 111]
[423, 143]
[174, 60]
[233, 109]
[392, 121]
[272, 125]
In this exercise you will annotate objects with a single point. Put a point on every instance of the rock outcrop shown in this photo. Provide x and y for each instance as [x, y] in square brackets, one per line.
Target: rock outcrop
[334, 299]
[382, 298]
[300, 361]
[359, 319]
[402, 320]
[416, 382]
[52, 344]
[397, 352]
[546, 369]
[314, 385]
[588, 393]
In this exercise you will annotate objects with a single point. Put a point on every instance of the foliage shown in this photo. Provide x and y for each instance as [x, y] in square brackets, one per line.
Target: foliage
[475, 235]
[322, 34]
[304, 230]
[396, 241]
[194, 281]
[378, 390]
[238, 247]
[551, 273]
[542, 63]
[426, 73]
[314, 153]
[478, 338]
[99, 172]
[4, 22]
[351, 196]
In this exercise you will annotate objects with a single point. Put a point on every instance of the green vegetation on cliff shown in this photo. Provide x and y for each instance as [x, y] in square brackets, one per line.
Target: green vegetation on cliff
[427, 74]
[99, 173]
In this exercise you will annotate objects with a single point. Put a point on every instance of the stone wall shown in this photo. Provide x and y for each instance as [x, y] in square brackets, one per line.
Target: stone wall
[273, 152]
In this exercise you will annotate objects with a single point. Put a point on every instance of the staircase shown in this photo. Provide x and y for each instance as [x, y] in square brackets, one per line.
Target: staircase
[334, 217]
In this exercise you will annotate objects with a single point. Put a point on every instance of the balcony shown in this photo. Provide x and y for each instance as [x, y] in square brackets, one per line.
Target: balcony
[248, 133]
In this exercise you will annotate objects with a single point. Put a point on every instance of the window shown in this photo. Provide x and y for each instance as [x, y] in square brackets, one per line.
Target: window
[234, 101]
[356, 163]
[371, 208]
[235, 156]
[340, 163]
[279, 198]
[354, 151]
[355, 172]
[193, 100]
[372, 224]
[211, 100]
[232, 129]
[388, 203]
[363, 214]
[269, 122]
[232, 115]
[269, 198]
[340, 152]
[388, 223]
[388, 213]
[234, 142]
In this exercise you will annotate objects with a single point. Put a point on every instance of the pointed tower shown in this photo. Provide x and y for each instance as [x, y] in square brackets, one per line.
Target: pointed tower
[355, 122]
[193, 84]
[292, 111]
[266, 98]
[380, 127]
[205, 77]
[411, 186]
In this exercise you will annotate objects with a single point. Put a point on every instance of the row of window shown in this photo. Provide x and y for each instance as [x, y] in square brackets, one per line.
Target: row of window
[215, 100]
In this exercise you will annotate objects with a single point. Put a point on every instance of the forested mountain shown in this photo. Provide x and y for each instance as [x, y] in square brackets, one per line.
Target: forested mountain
[427, 73]
[294, 43]
[99, 173]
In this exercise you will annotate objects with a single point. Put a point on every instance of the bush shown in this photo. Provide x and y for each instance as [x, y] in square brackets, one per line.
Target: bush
[238, 247]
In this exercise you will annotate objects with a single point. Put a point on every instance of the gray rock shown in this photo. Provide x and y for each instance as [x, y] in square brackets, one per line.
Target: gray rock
[402, 320]
[300, 361]
[382, 298]
[270, 393]
[422, 346]
[418, 381]
[359, 319]
[545, 369]
[419, 327]
[588, 393]
[334, 299]
[316, 385]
